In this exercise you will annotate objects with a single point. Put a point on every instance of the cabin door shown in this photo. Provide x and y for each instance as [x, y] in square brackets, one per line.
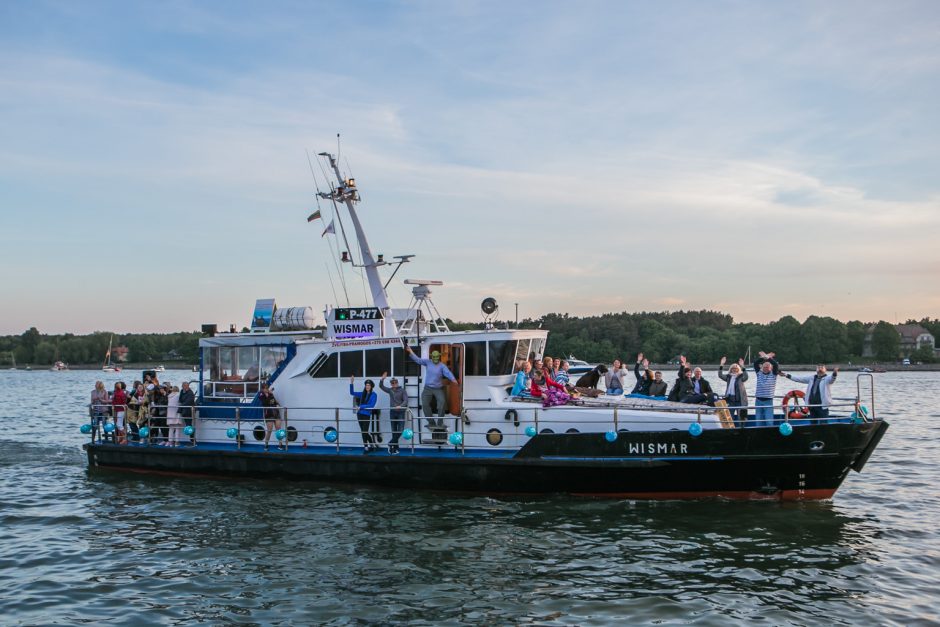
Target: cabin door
[452, 357]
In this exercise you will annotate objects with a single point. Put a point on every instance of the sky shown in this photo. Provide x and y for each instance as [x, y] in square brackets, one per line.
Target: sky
[759, 159]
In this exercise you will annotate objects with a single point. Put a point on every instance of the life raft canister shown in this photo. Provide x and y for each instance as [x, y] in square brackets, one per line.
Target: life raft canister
[799, 410]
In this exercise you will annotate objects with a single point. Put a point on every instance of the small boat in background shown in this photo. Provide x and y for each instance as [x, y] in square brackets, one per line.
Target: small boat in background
[108, 366]
[578, 366]
[159, 368]
[58, 366]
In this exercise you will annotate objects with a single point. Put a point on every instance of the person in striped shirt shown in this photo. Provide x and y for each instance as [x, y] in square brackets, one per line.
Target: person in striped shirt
[767, 369]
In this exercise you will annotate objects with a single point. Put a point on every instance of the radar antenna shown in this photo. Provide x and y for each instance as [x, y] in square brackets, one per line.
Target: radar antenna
[420, 303]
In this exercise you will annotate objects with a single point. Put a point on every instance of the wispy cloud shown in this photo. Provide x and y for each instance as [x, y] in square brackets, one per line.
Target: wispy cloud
[614, 156]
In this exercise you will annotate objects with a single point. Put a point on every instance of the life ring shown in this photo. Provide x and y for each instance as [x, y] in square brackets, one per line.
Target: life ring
[799, 410]
[513, 415]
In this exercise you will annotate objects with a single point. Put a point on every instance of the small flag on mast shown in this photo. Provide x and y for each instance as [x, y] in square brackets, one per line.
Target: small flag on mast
[330, 229]
[314, 216]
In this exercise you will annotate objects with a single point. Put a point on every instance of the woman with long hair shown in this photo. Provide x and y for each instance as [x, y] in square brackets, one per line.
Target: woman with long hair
[366, 403]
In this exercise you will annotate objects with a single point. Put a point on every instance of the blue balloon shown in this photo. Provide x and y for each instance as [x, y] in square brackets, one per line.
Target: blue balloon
[695, 429]
[611, 436]
[109, 427]
[407, 434]
[189, 430]
[232, 432]
[280, 434]
[456, 438]
[786, 428]
[530, 431]
[331, 435]
[144, 432]
[85, 429]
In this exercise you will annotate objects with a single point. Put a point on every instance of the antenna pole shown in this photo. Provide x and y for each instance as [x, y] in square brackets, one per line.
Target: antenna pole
[347, 194]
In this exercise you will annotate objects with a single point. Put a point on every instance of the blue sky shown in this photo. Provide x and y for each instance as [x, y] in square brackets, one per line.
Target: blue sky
[762, 159]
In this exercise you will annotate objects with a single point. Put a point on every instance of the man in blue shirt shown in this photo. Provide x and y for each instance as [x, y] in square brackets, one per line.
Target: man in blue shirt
[434, 374]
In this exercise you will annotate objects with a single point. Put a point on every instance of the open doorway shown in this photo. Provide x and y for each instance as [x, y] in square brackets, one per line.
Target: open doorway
[452, 357]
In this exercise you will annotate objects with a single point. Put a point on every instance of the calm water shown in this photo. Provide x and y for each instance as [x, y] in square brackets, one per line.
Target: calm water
[127, 549]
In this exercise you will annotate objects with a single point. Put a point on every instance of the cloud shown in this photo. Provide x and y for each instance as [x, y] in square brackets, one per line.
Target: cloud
[609, 157]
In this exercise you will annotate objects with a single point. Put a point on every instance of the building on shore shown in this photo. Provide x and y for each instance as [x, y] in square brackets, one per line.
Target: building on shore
[912, 337]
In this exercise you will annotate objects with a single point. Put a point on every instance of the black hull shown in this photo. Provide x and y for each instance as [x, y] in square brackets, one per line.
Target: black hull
[737, 463]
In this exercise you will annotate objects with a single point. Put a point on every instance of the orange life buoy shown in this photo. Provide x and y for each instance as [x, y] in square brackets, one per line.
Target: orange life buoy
[799, 410]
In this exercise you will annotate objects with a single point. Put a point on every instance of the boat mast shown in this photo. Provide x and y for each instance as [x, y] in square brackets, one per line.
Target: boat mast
[346, 193]
[107, 356]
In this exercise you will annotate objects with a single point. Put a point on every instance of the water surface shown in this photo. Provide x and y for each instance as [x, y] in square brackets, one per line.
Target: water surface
[130, 549]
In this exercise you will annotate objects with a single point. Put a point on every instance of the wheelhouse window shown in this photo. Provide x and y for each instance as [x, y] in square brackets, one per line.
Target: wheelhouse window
[324, 366]
[537, 347]
[402, 366]
[237, 371]
[350, 364]
[378, 360]
[502, 356]
[522, 349]
[475, 359]
[271, 359]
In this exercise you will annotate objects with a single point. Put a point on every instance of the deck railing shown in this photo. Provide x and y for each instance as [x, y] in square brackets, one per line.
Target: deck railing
[517, 423]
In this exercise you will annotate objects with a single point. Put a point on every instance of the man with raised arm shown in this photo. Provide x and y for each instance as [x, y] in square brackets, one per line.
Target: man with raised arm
[434, 374]
[767, 370]
[818, 397]
[398, 402]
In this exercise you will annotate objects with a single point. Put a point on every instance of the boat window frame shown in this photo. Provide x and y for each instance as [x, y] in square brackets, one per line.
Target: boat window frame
[346, 357]
[510, 348]
[483, 367]
[367, 372]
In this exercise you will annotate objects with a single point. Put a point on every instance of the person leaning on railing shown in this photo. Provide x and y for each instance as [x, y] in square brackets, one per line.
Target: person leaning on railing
[119, 409]
[735, 392]
[100, 408]
[271, 413]
[138, 407]
[818, 397]
[398, 401]
[187, 403]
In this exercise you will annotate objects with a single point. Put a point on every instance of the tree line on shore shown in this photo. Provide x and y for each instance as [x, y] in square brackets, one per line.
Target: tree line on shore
[702, 336]
[33, 347]
[706, 336]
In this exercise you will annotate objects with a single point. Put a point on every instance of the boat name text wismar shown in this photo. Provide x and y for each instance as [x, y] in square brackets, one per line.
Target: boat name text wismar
[658, 448]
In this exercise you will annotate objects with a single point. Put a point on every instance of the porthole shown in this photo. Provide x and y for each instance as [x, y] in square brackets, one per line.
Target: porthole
[258, 433]
[572, 430]
[494, 437]
[330, 434]
[546, 431]
[817, 445]
[291, 434]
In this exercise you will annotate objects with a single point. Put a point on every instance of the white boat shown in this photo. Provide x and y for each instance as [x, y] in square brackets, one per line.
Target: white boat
[59, 366]
[488, 440]
[13, 357]
[160, 368]
[108, 366]
[578, 367]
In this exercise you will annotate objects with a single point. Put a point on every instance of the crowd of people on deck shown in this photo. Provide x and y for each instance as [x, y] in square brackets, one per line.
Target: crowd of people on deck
[547, 379]
[162, 407]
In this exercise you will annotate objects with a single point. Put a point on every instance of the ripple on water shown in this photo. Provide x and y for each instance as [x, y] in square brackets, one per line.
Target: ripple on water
[131, 549]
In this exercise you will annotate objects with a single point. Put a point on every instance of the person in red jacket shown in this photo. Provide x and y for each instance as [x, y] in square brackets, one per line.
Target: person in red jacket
[540, 383]
[119, 410]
